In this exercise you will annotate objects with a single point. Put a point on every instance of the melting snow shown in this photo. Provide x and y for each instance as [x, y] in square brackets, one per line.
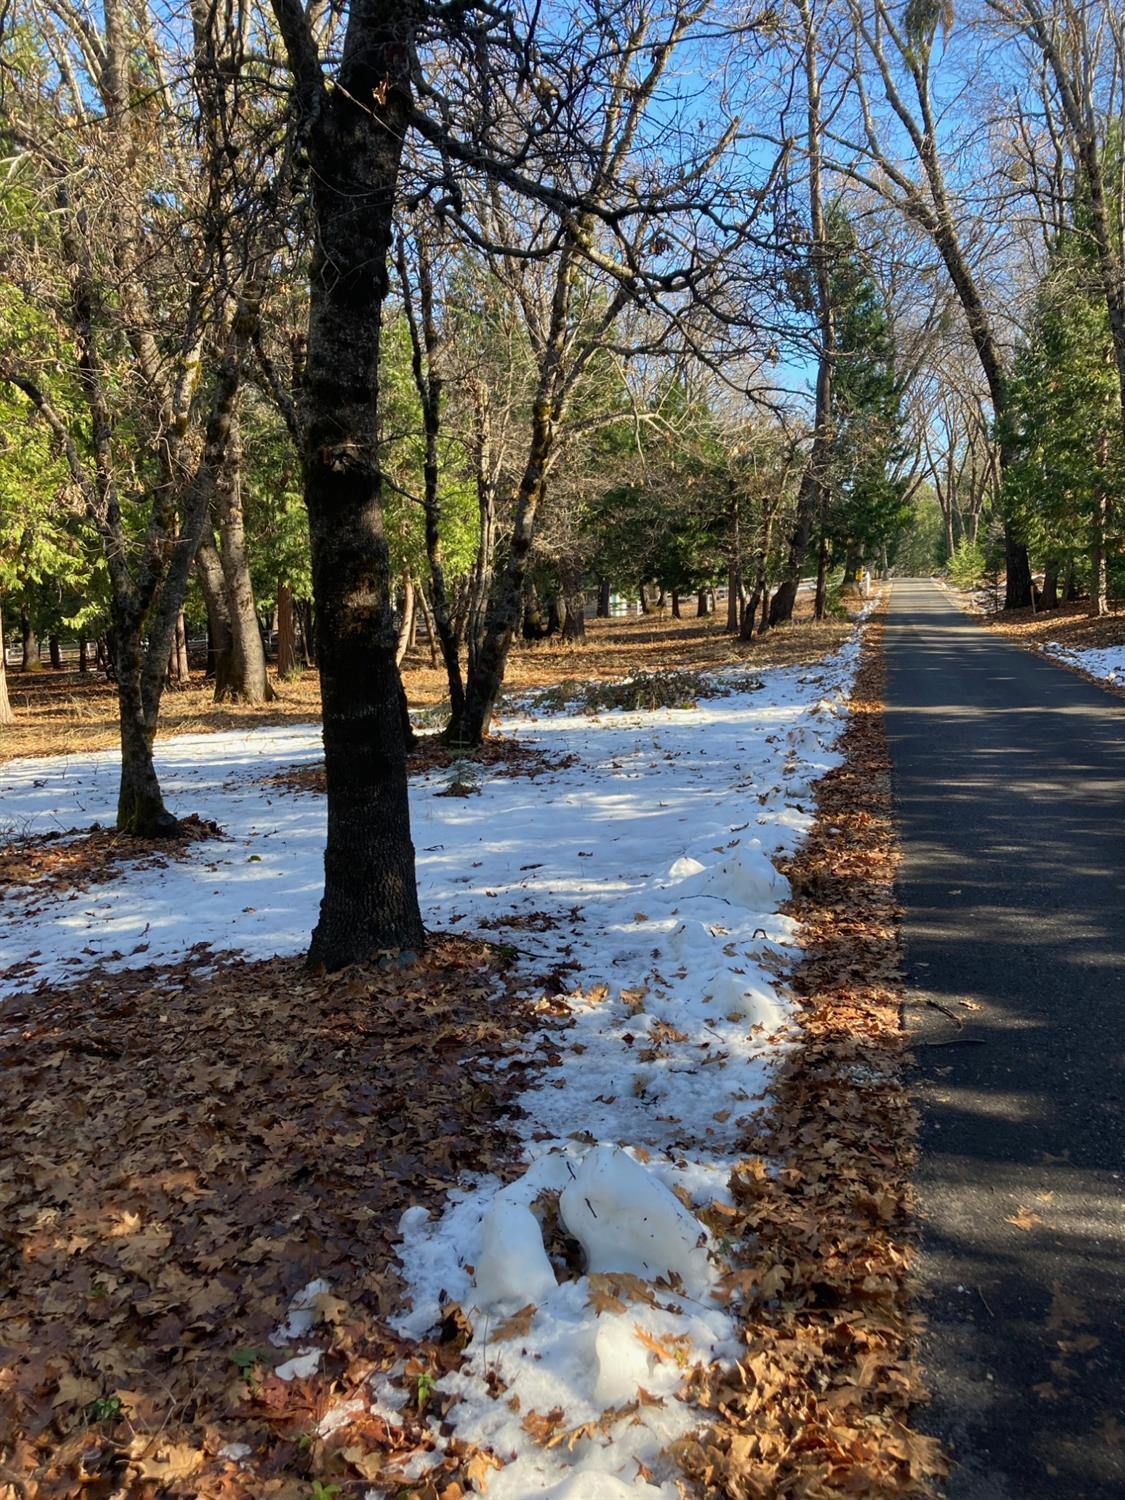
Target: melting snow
[653, 856]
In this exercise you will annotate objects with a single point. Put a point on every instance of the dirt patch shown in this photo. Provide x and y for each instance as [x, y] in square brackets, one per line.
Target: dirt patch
[79, 858]
[502, 756]
[820, 1403]
[188, 1147]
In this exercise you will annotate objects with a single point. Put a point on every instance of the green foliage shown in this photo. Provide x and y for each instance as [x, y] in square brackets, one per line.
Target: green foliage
[868, 509]
[1065, 422]
[968, 567]
[921, 548]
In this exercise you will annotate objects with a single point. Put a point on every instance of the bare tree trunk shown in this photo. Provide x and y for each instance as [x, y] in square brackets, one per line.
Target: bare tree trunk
[604, 599]
[1099, 580]
[220, 637]
[406, 620]
[505, 601]
[425, 348]
[55, 650]
[677, 612]
[6, 714]
[83, 654]
[286, 640]
[1049, 599]
[140, 804]
[821, 579]
[702, 604]
[355, 144]
[734, 597]
[646, 608]
[29, 641]
[574, 600]
[178, 670]
[431, 628]
[248, 681]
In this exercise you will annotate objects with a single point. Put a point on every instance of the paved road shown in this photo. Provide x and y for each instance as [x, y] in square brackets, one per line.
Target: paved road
[1010, 795]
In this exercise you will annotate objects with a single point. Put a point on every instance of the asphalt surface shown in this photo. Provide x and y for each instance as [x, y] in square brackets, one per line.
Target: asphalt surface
[1009, 779]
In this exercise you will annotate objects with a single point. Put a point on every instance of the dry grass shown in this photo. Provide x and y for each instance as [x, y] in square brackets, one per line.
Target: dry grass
[62, 713]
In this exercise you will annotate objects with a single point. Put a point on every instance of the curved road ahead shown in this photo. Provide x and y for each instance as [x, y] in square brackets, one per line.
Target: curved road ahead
[1010, 795]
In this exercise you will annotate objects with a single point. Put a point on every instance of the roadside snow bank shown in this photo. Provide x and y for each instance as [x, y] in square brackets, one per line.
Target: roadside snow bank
[1105, 662]
[592, 1287]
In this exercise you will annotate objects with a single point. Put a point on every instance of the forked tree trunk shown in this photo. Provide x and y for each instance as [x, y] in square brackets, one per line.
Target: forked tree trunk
[286, 637]
[178, 666]
[6, 714]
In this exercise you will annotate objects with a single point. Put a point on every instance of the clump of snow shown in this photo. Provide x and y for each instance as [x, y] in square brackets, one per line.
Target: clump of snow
[513, 1266]
[301, 1315]
[1105, 662]
[626, 1220]
[302, 1365]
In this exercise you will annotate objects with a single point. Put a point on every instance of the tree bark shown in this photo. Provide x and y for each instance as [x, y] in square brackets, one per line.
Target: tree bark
[1049, 598]
[574, 599]
[677, 613]
[702, 604]
[29, 641]
[55, 650]
[406, 620]
[248, 681]
[734, 599]
[425, 349]
[505, 601]
[355, 140]
[178, 666]
[140, 804]
[6, 714]
[286, 636]
[83, 654]
[220, 637]
[604, 608]
[1099, 579]
[821, 601]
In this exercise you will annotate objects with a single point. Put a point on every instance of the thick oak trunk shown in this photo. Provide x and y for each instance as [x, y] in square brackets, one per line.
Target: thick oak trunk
[370, 899]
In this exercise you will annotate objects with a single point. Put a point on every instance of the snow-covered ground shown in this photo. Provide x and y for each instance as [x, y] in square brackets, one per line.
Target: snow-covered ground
[1106, 662]
[654, 852]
